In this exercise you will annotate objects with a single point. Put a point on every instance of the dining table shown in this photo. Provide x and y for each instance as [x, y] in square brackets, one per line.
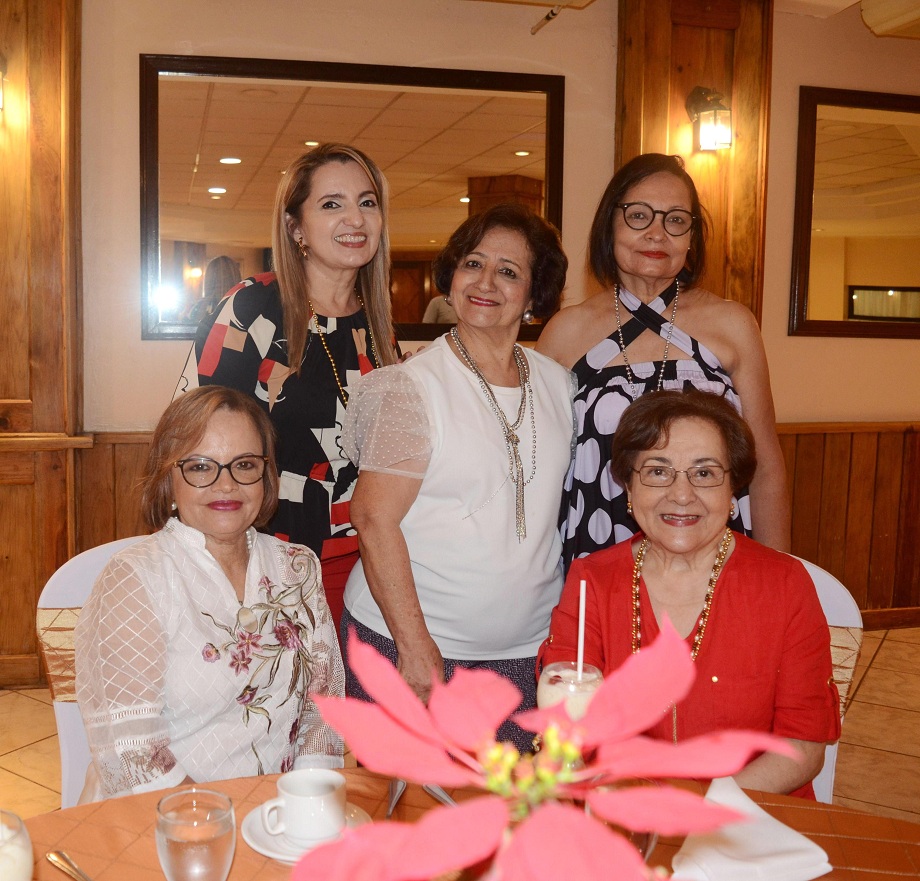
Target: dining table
[113, 840]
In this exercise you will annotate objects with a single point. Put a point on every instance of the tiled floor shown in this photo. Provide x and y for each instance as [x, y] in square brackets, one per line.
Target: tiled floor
[878, 767]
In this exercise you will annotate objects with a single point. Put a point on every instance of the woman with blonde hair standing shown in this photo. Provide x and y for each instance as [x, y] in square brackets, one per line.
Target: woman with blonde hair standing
[295, 339]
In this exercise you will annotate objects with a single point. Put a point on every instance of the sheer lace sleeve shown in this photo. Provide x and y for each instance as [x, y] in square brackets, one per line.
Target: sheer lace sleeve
[120, 658]
[386, 425]
[318, 745]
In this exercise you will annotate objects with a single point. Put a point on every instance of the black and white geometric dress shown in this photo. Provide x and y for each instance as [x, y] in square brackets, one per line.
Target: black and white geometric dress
[593, 514]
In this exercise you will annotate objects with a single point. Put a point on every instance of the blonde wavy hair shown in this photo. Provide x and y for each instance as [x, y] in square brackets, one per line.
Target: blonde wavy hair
[373, 278]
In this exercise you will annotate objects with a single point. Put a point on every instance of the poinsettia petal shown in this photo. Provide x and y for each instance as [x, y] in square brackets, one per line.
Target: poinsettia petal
[381, 680]
[540, 720]
[633, 698]
[450, 838]
[472, 705]
[708, 756]
[362, 854]
[663, 809]
[384, 746]
[559, 841]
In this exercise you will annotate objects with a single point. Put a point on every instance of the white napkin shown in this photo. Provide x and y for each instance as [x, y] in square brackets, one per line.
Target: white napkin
[761, 848]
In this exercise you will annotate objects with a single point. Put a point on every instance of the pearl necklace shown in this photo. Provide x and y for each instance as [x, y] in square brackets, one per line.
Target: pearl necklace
[509, 430]
[667, 342]
[724, 546]
[322, 338]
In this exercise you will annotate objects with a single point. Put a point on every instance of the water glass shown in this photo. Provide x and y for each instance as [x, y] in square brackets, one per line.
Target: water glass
[196, 835]
[15, 849]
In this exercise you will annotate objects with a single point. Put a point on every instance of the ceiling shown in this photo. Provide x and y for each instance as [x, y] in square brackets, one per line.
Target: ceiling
[428, 143]
[867, 172]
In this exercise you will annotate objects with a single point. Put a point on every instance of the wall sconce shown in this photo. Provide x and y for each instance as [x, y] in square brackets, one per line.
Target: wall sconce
[2, 75]
[712, 120]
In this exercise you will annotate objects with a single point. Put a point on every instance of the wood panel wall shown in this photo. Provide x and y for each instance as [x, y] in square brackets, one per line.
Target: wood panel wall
[668, 47]
[855, 489]
[40, 358]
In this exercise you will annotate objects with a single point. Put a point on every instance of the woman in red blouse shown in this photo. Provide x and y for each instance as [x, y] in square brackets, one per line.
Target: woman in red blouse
[751, 617]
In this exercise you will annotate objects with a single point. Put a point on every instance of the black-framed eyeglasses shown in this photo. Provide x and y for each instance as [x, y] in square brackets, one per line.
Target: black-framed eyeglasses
[665, 475]
[200, 471]
[640, 215]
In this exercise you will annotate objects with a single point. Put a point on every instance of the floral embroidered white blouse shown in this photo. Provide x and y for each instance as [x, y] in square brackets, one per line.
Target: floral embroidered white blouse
[176, 677]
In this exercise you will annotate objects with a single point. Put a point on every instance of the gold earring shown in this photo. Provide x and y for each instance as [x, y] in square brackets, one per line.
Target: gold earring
[628, 506]
[731, 512]
[304, 250]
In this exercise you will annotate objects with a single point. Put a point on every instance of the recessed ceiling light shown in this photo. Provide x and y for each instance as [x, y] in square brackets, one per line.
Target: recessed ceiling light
[217, 190]
[230, 160]
[311, 143]
[464, 198]
[522, 152]
[432, 241]
[215, 197]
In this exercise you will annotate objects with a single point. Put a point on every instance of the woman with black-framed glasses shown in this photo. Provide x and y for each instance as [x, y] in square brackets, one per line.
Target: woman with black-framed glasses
[200, 647]
[653, 328]
[750, 615]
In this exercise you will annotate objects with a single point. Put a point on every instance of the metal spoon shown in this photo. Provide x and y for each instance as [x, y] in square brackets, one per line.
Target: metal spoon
[63, 862]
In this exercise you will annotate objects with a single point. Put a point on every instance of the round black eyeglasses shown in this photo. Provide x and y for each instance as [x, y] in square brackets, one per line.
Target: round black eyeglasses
[640, 215]
[200, 471]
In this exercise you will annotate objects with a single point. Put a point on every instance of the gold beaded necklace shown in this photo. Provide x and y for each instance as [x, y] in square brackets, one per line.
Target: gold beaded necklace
[724, 545]
[322, 338]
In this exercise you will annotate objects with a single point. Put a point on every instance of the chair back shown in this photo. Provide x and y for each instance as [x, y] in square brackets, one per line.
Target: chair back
[58, 611]
[845, 623]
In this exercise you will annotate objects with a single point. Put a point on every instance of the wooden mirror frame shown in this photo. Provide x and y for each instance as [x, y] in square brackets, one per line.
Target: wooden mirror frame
[151, 66]
[799, 323]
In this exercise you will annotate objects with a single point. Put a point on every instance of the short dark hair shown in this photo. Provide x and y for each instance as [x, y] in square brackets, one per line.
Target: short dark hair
[646, 425]
[182, 425]
[600, 243]
[548, 263]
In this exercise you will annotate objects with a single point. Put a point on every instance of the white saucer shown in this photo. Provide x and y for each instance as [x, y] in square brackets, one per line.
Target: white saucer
[276, 847]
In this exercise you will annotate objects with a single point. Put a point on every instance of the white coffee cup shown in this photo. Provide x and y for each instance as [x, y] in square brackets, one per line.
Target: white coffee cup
[310, 807]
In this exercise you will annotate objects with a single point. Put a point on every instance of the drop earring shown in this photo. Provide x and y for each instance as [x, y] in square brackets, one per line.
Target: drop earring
[731, 512]
[629, 507]
[304, 251]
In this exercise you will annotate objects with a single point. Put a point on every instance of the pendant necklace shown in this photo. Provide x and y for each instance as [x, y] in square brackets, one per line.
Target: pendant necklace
[322, 338]
[724, 545]
[510, 429]
[667, 342]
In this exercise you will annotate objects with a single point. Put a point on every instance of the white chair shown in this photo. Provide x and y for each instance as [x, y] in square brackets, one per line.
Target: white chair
[58, 610]
[845, 623]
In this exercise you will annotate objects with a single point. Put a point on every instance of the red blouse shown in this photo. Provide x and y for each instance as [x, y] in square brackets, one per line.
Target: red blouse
[764, 663]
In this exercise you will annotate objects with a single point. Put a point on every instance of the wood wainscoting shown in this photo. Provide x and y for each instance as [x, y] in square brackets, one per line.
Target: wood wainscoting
[855, 491]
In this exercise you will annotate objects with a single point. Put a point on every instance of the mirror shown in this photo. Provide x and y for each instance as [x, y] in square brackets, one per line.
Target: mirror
[857, 214]
[438, 134]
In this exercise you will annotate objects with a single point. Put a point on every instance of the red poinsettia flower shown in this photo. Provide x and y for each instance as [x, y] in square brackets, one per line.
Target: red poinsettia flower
[529, 823]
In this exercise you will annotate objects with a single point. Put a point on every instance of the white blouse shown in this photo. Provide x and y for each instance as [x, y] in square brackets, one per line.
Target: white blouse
[485, 595]
[176, 677]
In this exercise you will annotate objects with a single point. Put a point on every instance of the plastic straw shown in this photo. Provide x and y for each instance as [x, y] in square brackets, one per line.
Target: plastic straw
[581, 628]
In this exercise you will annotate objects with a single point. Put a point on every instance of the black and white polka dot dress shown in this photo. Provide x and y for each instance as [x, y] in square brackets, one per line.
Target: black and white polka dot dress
[593, 514]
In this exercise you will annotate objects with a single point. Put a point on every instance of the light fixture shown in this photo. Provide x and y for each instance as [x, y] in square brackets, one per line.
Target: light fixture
[230, 160]
[311, 143]
[464, 198]
[218, 190]
[712, 120]
[522, 152]
[2, 75]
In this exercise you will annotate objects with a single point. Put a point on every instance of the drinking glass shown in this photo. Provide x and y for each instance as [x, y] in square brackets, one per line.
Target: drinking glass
[15, 849]
[559, 682]
[196, 835]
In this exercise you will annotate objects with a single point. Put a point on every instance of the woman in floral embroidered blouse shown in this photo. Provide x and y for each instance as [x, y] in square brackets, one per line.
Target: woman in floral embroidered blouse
[201, 645]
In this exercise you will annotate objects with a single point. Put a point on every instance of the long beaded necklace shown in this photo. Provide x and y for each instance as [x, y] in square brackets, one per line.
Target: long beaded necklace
[322, 338]
[724, 545]
[667, 342]
[510, 429]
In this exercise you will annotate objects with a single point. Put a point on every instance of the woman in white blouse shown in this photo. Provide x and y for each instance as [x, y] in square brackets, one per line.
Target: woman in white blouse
[461, 453]
[200, 646]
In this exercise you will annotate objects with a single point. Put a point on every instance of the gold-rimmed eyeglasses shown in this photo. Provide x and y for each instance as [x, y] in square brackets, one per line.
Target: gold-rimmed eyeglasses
[665, 475]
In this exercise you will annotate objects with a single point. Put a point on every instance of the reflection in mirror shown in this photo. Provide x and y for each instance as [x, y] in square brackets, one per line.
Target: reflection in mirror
[857, 218]
[217, 133]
